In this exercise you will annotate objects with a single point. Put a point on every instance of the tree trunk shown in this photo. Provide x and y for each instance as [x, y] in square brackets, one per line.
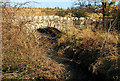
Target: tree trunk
[104, 14]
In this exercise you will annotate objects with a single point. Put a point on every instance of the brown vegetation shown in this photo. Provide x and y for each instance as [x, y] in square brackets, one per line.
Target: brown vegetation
[25, 57]
[95, 51]
[34, 11]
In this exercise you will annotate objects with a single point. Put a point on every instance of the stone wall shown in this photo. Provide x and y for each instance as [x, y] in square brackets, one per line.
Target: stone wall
[62, 23]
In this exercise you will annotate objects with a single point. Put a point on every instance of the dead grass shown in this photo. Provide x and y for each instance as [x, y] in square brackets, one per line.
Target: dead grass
[33, 11]
[23, 55]
[96, 51]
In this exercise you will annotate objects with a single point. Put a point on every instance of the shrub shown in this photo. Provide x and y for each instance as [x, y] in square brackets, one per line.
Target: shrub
[23, 56]
[96, 51]
[77, 12]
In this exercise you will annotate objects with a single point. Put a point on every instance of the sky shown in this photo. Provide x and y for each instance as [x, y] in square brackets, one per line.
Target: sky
[56, 0]
[48, 3]
[43, 0]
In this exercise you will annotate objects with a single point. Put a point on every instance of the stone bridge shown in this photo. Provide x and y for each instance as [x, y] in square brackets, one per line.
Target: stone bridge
[61, 23]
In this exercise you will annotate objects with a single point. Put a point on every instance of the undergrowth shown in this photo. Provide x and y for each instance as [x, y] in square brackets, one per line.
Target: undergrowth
[23, 56]
[95, 51]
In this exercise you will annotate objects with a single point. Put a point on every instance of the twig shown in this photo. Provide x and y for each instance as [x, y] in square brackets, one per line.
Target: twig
[105, 37]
